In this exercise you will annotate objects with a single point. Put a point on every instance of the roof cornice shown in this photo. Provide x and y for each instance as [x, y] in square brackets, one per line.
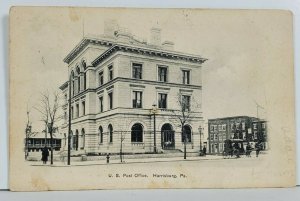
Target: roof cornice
[149, 51]
[115, 46]
[82, 44]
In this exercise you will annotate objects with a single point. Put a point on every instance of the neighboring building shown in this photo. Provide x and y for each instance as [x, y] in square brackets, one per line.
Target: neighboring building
[115, 80]
[37, 141]
[242, 129]
[259, 134]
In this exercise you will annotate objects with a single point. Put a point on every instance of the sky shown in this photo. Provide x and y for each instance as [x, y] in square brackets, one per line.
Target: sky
[237, 45]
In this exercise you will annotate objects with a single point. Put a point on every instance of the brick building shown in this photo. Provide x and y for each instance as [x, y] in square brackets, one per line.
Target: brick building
[115, 81]
[242, 129]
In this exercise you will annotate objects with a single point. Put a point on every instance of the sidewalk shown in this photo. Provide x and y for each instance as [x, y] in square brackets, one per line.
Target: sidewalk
[128, 161]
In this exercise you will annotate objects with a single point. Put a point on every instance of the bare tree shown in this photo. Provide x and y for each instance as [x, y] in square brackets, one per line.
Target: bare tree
[186, 111]
[48, 107]
[28, 133]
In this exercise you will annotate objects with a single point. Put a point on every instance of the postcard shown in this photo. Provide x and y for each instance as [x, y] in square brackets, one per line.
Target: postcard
[133, 98]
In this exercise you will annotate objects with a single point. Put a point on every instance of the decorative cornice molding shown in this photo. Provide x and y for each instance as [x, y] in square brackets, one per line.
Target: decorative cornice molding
[84, 43]
[110, 87]
[186, 90]
[147, 51]
[115, 46]
[162, 88]
[136, 85]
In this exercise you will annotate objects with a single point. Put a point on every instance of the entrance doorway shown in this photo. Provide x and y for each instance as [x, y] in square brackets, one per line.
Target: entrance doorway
[167, 137]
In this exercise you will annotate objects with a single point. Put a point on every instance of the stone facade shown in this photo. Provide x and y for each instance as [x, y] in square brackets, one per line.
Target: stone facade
[115, 81]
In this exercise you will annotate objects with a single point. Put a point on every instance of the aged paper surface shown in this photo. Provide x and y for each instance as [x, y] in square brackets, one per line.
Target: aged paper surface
[231, 69]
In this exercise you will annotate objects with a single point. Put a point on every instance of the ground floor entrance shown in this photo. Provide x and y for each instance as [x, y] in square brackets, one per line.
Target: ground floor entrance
[167, 137]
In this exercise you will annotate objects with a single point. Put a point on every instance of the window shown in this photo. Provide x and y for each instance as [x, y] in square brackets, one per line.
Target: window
[72, 112]
[137, 71]
[101, 134]
[162, 100]
[255, 126]
[137, 99]
[243, 125]
[73, 83]
[185, 77]
[78, 79]
[187, 134]
[263, 125]
[83, 63]
[220, 127]
[110, 99]
[82, 139]
[75, 140]
[101, 78]
[211, 127]
[83, 108]
[110, 73]
[137, 133]
[162, 74]
[101, 103]
[77, 110]
[224, 127]
[186, 103]
[110, 132]
[255, 135]
[216, 136]
[84, 81]
[65, 116]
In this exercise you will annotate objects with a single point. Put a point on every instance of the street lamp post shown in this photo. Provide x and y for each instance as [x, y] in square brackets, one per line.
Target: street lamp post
[154, 111]
[200, 132]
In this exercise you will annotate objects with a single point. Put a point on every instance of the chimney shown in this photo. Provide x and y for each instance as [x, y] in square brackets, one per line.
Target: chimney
[110, 27]
[155, 38]
[168, 45]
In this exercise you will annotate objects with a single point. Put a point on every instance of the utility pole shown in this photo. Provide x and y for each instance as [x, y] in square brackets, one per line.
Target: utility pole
[69, 129]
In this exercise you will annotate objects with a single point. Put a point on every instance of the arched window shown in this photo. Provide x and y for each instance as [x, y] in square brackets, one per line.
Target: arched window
[73, 83]
[82, 139]
[71, 139]
[100, 134]
[78, 79]
[187, 133]
[110, 133]
[137, 133]
[84, 81]
[75, 140]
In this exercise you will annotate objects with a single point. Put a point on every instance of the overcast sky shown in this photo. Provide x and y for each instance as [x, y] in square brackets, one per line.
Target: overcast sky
[236, 44]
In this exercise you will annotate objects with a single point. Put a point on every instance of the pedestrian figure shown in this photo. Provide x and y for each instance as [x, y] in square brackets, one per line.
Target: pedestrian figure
[107, 158]
[45, 154]
[248, 150]
[204, 151]
[258, 148]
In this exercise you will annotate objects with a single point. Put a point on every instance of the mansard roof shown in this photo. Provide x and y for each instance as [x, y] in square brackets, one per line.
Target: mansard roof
[137, 47]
